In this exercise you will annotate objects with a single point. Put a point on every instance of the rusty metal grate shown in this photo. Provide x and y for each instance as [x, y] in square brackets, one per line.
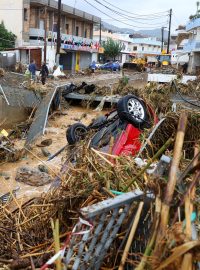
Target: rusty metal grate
[86, 252]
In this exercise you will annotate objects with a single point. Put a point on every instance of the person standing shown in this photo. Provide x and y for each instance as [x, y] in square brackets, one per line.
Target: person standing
[32, 68]
[185, 67]
[44, 73]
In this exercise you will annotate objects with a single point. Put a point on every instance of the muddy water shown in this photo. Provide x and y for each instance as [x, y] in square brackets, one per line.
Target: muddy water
[56, 130]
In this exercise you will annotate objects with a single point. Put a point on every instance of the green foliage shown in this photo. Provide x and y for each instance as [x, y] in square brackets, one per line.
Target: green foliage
[112, 48]
[7, 39]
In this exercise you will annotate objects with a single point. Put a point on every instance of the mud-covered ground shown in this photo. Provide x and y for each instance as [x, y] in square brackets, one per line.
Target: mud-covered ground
[56, 130]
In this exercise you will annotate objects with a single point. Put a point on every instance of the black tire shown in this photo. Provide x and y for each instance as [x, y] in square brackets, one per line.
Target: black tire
[75, 133]
[138, 116]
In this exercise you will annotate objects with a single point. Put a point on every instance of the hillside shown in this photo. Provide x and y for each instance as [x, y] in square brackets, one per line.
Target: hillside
[140, 33]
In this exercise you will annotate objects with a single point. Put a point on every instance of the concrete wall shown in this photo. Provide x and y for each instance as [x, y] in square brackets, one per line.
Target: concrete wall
[11, 115]
[12, 15]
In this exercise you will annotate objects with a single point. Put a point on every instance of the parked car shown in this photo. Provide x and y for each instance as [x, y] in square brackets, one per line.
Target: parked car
[95, 65]
[114, 66]
[125, 125]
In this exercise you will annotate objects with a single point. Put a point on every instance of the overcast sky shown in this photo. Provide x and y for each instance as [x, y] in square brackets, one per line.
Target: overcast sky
[182, 9]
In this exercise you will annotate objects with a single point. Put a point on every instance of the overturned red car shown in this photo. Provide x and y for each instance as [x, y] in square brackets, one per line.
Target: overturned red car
[125, 124]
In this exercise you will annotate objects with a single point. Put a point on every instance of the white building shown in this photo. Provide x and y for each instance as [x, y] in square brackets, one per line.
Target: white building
[192, 47]
[123, 39]
[178, 40]
[30, 20]
[133, 47]
[145, 46]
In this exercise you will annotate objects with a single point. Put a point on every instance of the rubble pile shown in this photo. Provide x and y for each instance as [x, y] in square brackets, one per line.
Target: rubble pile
[168, 129]
[100, 173]
[2, 72]
[166, 171]
[8, 152]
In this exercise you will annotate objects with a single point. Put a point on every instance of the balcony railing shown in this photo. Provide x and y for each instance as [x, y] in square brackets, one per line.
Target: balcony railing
[192, 46]
[193, 24]
[35, 32]
[70, 42]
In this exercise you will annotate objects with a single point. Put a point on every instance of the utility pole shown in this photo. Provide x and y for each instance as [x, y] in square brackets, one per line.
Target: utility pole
[58, 34]
[162, 34]
[169, 31]
[45, 34]
[100, 33]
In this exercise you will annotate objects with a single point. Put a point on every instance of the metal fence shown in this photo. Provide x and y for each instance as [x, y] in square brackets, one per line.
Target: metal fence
[87, 251]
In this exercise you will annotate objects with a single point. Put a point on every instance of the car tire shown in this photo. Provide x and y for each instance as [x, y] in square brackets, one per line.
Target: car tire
[133, 110]
[75, 133]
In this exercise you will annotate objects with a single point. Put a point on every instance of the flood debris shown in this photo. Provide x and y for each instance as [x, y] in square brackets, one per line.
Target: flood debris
[108, 210]
[9, 152]
[33, 177]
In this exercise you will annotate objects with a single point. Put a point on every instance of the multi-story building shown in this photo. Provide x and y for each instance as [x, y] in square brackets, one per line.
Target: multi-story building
[178, 40]
[193, 45]
[132, 47]
[123, 39]
[32, 20]
[144, 47]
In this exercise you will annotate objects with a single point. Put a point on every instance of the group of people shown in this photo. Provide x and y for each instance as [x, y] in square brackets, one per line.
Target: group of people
[44, 72]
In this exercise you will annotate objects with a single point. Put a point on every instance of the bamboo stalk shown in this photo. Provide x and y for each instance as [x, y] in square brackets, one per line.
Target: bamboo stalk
[55, 229]
[131, 236]
[172, 177]
[187, 259]
[35, 254]
[187, 262]
[151, 242]
[100, 155]
[160, 151]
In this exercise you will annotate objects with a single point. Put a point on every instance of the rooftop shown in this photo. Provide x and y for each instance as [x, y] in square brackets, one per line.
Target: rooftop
[67, 9]
[192, 24]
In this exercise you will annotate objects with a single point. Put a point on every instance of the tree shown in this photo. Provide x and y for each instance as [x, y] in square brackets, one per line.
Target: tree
[7, 39]
[112, 48]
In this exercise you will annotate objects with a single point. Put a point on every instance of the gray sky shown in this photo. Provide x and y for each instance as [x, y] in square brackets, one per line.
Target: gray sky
[182, 9]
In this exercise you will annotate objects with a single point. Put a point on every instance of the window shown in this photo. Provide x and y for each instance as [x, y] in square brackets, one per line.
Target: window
[135, 48]
[85, 34]
[55, 28]
[25, 14]
[77, 30]
[41, 24]
[67, 28]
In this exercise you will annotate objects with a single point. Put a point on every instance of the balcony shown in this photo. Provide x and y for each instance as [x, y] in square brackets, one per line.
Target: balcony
[39, 33]
[36, 32]
[192, 46]
[69, 42]
[193, 24]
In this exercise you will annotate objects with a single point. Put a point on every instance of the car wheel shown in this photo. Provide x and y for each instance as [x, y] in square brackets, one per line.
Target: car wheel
[75, 133]
[133, 110]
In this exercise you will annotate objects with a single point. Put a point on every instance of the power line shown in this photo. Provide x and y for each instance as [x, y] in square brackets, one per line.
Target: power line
[140, 15]
[125, 16]
[115, 18]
